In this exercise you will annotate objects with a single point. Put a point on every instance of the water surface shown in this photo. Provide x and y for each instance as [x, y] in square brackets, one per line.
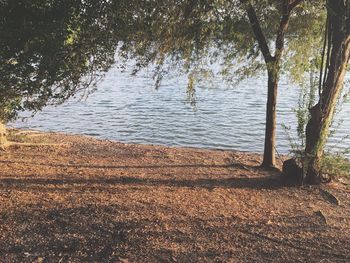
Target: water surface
[127, 108]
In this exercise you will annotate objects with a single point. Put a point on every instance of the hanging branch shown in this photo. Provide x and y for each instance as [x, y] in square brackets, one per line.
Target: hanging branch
[330, 42]
[294, 4]
[320, 85]
[259, 34]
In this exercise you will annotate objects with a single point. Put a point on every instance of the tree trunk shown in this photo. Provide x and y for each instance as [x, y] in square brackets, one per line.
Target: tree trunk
[317, 129]
[270, 129]
[273, 67]
[3, 140]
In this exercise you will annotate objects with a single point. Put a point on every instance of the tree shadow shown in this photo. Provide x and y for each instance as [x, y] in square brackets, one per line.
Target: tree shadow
[97, 233]
[124, 167]
[236, 175]
[88, 233]
[266, 182]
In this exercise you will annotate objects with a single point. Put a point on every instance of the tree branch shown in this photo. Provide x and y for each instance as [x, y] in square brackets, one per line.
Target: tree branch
[282, 29]
[294, 4]
[287, 7]
[259, 35]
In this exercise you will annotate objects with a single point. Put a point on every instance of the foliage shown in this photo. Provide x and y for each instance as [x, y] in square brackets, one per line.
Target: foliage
[332, 163]
[50, 50]
[307, 97]
[195, 34]
[335, 165]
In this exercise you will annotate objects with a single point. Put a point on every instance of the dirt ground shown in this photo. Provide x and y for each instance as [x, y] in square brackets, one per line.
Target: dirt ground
[67, 198]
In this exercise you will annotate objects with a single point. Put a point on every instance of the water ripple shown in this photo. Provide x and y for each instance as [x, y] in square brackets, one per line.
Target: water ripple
[128, 109]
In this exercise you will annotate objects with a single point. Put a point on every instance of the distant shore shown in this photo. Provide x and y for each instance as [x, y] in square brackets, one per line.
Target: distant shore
[75, 198]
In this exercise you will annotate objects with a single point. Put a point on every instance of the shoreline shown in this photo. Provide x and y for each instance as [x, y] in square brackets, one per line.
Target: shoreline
[77, 198]
[102, 137]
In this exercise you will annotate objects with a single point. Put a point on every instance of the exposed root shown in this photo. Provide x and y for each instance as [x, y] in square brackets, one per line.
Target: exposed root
[330, 197]
[322, 216]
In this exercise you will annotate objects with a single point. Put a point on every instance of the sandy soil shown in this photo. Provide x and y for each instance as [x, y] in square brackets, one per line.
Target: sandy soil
[78, 199]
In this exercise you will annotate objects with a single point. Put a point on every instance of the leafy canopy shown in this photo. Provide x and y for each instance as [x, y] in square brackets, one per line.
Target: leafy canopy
[52, 49]
[193, 34]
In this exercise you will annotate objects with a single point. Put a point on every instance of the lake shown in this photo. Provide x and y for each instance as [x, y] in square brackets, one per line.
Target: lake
[128, 109]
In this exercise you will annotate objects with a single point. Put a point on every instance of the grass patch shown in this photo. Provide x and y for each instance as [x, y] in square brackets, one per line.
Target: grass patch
[336, 165]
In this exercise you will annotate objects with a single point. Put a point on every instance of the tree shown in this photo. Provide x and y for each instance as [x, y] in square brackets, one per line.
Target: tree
[190, 30]
[331, 85]
[273, 66]
[52, 50]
